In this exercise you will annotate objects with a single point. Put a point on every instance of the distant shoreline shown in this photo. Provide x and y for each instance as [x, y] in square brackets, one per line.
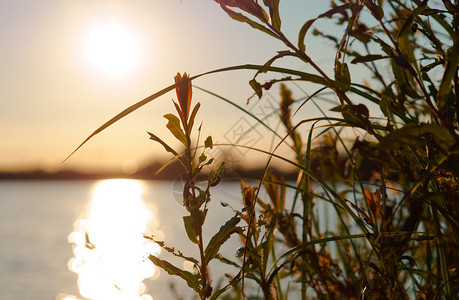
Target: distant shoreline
[172, 171]
[75, 175]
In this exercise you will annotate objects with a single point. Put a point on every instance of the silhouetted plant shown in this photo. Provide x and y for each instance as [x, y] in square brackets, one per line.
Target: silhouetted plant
[394, 188]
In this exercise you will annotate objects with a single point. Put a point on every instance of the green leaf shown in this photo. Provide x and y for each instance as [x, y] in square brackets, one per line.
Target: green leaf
[410, 134]
[451, 66]
[385, 47]
[304, 29]
[191, 279]
[256, 86]
[251, 7]
[340, 108]
[174, 126]
[171, 250]
[422, 6]
[401, 62]
[232, 283]
[343, 76]
[273, 6]
[199, 217]
[203, 197]
[208, 142]
[202, 158]
[402, 76]
[220, 237]
[268, 64]
[353, 114]
[215, 179]
[188, 222]
[241, 18]
[375, 10]
[166, 146]
[386, 100]
[193, 116]
[268, 244]
[368, 58]
[209, 162]
[351, 119]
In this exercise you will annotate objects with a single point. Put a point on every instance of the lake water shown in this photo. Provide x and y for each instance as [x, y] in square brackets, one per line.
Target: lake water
[36, 218]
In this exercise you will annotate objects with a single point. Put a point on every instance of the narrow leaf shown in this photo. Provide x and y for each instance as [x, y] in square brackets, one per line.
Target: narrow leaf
[422, 6]
[188, 222]
[220, 237]
[277, 265]
[340, 108]
[386, 99]
[191, 279]
[171, 250]
[250, 7]
[363, 214]
[368, 58]
[375, 10]
[402, 77]
[193, 116]
[166, 146]
[401, 62]
[304, 29]
[273, 6]
[451, 66]
[122, 114]
[309, 23]
[241, 18]
[174, 126]
[179, 113]
[280, 54]
[410, 134]
[343, 76]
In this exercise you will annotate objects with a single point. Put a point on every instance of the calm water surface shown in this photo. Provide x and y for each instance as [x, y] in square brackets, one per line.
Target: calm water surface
[36, 218]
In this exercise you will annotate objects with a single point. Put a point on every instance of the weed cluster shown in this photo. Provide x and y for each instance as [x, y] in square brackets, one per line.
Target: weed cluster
[397, 234]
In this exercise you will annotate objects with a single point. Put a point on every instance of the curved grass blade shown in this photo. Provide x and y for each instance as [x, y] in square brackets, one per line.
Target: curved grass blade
[122, 114]
[272, 154]
[310, 97]
[274, 270]
[303, 75]
[240, 108]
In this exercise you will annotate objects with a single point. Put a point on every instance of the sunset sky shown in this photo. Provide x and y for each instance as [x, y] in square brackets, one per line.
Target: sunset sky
[68, 66]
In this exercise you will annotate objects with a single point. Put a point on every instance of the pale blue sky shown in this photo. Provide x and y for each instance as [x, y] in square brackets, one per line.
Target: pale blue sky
[51, 98]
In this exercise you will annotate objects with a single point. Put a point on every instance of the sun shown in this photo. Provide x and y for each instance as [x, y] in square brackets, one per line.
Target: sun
[112, 49]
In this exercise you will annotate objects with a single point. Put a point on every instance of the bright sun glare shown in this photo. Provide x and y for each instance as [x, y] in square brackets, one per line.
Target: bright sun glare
[113, 49]
[111, 254]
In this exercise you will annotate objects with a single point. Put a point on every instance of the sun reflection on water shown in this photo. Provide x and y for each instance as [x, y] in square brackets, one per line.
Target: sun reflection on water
[111, 255]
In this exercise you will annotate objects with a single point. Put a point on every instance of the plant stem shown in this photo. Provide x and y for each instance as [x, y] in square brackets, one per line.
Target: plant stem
[203, 266]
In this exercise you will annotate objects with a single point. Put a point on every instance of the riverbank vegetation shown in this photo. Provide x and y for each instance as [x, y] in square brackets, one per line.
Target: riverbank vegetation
[397, 233]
